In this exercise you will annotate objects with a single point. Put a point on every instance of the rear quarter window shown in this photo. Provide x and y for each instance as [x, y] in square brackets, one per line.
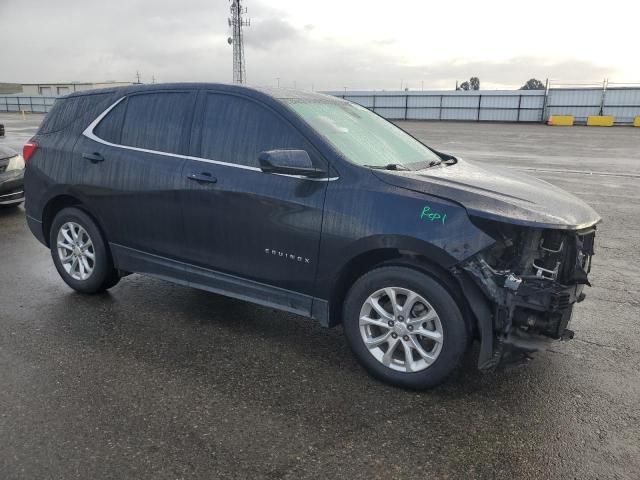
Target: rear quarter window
[110, 127]
[68, 111]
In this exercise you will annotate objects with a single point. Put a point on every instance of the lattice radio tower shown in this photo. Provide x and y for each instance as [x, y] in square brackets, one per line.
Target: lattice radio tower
[236, 22]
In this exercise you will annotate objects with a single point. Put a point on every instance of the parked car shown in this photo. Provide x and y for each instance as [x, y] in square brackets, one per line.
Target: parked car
[312, 205]
[11, 177]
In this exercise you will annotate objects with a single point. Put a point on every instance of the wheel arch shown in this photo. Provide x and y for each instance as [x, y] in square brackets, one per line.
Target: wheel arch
[420, 261]
[56, 204]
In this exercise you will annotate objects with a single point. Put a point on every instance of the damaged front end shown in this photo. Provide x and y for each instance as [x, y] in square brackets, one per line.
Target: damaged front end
[532, 279]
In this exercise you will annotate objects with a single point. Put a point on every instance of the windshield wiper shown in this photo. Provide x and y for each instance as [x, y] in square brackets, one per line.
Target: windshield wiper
[432, 163]
[388, 166]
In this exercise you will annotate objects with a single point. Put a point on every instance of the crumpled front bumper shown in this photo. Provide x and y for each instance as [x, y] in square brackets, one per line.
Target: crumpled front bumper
[530, 307]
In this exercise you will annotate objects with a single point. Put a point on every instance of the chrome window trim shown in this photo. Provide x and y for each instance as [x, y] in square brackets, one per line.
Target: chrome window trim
[89, 133]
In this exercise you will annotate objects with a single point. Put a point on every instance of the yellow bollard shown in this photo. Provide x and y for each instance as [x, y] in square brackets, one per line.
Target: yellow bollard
[560, 120]
[636, 122]
[600, 120]
[24, 116]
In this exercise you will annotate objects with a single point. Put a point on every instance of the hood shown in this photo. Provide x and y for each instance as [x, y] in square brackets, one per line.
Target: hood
[497, 193]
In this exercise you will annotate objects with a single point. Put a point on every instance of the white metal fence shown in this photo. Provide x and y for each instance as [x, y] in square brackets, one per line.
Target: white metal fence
[498, 105]
[623, 103]
[24, 103]
[481, 105]
[501, 105]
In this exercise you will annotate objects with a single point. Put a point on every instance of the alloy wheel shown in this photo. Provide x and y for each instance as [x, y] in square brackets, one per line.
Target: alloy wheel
[76, 251]
[401, 329]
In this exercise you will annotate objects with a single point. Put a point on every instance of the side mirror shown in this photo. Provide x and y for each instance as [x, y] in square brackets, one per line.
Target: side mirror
[289, 162]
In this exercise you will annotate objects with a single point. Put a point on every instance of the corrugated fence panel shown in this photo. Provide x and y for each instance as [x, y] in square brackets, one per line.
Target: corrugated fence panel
[498, 115]
[424, 101]
[459, 114]
[531, 115]
[390, 101]
[577, 102]
[622, 103]
[500, 101]
[583, 97]
[622, 114]
[460, 101]
[423, 113]
[390, 113]
[622, 97]
[365, 101]
[533, 101]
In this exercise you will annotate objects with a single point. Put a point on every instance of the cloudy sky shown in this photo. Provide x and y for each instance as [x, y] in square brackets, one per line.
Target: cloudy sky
[328, 44]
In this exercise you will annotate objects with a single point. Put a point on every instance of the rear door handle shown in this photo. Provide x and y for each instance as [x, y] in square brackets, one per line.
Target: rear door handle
[202, 177]
[94, 157]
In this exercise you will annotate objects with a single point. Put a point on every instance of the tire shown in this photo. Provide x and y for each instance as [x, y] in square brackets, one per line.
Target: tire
[81, 273]
[434, 327]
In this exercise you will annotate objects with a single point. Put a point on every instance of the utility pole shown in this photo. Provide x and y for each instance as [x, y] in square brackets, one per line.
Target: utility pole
[236, 22]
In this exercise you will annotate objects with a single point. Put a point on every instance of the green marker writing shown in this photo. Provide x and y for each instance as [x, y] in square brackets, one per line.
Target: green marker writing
[433, 216]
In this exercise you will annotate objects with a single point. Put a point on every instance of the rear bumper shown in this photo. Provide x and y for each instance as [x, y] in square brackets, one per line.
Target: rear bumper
[36, 228]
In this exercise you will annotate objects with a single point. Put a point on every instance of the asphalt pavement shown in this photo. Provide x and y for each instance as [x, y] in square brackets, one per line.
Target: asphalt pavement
[154, 380]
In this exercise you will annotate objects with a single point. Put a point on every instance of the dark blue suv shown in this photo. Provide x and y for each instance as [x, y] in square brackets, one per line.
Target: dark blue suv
[313, 205]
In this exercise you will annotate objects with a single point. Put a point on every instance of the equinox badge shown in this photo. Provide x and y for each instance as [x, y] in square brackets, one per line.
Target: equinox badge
[285, 255]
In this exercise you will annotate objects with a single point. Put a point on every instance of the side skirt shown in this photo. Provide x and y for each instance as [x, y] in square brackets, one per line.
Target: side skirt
[133, 260]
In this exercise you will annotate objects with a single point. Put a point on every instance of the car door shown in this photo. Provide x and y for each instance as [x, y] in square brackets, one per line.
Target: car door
[130, 168]
[238, 219]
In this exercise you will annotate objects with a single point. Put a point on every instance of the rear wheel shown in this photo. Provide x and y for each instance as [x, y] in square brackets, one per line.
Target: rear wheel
[404, 327]
[80, 252]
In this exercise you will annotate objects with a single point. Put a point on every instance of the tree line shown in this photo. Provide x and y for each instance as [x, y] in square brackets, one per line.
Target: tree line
[474, 84]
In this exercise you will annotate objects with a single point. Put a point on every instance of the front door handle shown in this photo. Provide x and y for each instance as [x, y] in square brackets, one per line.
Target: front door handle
[202, 177]
[94, 157]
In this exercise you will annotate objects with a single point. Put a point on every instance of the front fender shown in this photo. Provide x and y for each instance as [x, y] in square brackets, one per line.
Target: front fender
[376, 216]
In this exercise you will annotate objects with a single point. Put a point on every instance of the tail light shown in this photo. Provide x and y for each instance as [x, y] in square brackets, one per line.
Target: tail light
[28, 150]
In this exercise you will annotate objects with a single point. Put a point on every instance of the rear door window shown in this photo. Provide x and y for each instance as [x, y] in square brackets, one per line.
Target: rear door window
[157, 121]
[235, 130]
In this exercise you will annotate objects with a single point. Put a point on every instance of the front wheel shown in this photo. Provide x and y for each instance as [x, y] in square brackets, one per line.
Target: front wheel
[404, 327]
[80, 252]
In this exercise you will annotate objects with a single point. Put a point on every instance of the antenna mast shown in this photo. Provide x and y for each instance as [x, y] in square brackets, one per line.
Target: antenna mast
[236, 22]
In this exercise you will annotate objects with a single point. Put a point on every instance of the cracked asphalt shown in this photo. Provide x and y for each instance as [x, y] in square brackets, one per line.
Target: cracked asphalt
[154, 380]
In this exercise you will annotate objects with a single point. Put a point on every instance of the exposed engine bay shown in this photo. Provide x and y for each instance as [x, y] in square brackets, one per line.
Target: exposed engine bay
[532, 277]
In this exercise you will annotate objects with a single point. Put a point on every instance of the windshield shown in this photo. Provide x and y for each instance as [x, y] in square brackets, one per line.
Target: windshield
[363, 137]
